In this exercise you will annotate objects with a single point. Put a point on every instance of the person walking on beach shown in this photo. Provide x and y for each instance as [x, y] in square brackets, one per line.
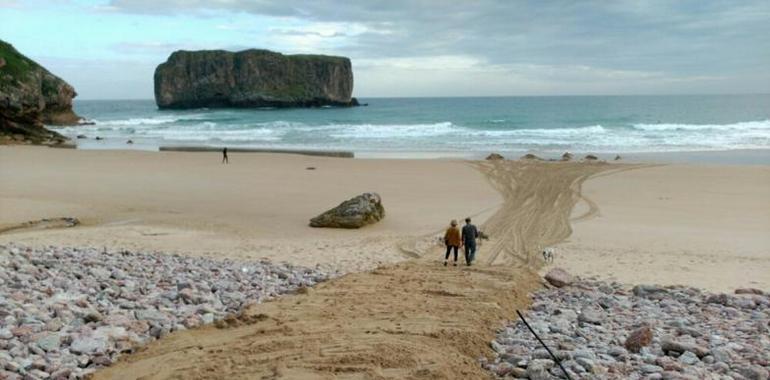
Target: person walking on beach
[469, 236]
[224, 156]
[452, 241]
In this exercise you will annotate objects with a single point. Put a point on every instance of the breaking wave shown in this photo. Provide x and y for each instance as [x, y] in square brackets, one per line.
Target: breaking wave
[742, 126]
[258, 129]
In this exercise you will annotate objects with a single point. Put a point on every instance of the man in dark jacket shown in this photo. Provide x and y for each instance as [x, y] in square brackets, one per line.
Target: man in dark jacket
[470, 234]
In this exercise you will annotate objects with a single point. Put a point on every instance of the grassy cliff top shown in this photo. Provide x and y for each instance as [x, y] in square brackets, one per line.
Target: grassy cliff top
[298, 57]
[17, 66]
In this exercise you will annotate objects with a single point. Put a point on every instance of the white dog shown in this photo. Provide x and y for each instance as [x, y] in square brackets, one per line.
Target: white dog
[548, 254]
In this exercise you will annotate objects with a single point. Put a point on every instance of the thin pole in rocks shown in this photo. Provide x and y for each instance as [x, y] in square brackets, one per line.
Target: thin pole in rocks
[543, 343]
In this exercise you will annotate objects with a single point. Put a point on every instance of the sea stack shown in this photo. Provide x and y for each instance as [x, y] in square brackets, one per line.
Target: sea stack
[31, 97]
[252, 78]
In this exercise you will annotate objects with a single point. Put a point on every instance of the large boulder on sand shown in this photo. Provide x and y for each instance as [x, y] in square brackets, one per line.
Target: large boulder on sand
[353, 213]
[559, 277]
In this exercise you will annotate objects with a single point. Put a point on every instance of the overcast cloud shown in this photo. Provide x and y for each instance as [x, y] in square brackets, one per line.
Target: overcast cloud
[424, 48]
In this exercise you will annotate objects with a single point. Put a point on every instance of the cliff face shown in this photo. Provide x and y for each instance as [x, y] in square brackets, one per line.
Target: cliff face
[30, 96]
[252, 78]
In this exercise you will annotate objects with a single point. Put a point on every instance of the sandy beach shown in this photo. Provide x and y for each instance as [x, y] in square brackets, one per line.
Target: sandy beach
[700, 225]
[696, 225]
[258, 206]
[271, 189]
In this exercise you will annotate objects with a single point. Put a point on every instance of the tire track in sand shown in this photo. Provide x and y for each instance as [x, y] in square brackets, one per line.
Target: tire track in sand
[412, 320]
[538, 198]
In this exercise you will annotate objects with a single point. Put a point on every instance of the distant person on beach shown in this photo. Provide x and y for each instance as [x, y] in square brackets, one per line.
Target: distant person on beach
[224, 156]
[469, 236]
[452, 241]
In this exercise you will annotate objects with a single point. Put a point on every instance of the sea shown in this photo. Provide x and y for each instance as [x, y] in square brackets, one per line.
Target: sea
[445, 127]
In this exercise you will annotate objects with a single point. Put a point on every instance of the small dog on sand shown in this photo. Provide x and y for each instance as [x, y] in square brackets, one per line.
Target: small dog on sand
[548, 254]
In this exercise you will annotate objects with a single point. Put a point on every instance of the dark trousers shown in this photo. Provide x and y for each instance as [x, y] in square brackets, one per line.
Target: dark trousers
[449, 248]
[470, 253]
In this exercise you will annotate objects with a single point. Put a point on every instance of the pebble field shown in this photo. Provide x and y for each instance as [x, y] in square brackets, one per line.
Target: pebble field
[65, 312]
[602, 330]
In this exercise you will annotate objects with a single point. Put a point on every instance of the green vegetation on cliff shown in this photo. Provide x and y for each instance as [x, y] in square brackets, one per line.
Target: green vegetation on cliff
[31, 97]
[179, 54]
[16, 67]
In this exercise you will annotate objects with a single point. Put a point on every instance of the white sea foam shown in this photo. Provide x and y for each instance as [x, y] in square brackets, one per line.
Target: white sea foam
[288, 125]
[206, 133]
[218, 127]
[381, 131]
[546, 132]
[742, 126]
[138, 121]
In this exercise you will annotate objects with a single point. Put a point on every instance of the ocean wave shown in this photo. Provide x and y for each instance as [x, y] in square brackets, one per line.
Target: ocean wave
[137, 121]
[446, 128]
[379, 131]
[590, 130]
[283, 124]
[196, 134]
[155, 120]
[741, 126]
[243, 128]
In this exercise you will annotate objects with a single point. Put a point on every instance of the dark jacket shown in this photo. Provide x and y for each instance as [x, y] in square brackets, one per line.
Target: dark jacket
[470, 234]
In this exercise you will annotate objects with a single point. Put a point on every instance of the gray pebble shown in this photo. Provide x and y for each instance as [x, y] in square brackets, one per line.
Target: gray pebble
[66, 311]
[695, 334]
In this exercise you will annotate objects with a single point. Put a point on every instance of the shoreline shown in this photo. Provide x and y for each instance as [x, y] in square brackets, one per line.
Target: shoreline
[301, 152]
[716, 157]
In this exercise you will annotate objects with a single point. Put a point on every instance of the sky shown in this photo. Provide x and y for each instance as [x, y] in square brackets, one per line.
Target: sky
[108, 49]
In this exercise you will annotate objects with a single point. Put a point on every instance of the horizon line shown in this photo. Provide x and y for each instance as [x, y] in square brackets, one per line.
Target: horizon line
[493, 96]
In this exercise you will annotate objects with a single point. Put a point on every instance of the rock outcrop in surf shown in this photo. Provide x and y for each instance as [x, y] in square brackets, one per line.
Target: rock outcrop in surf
[252, 78]
[31, 97]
